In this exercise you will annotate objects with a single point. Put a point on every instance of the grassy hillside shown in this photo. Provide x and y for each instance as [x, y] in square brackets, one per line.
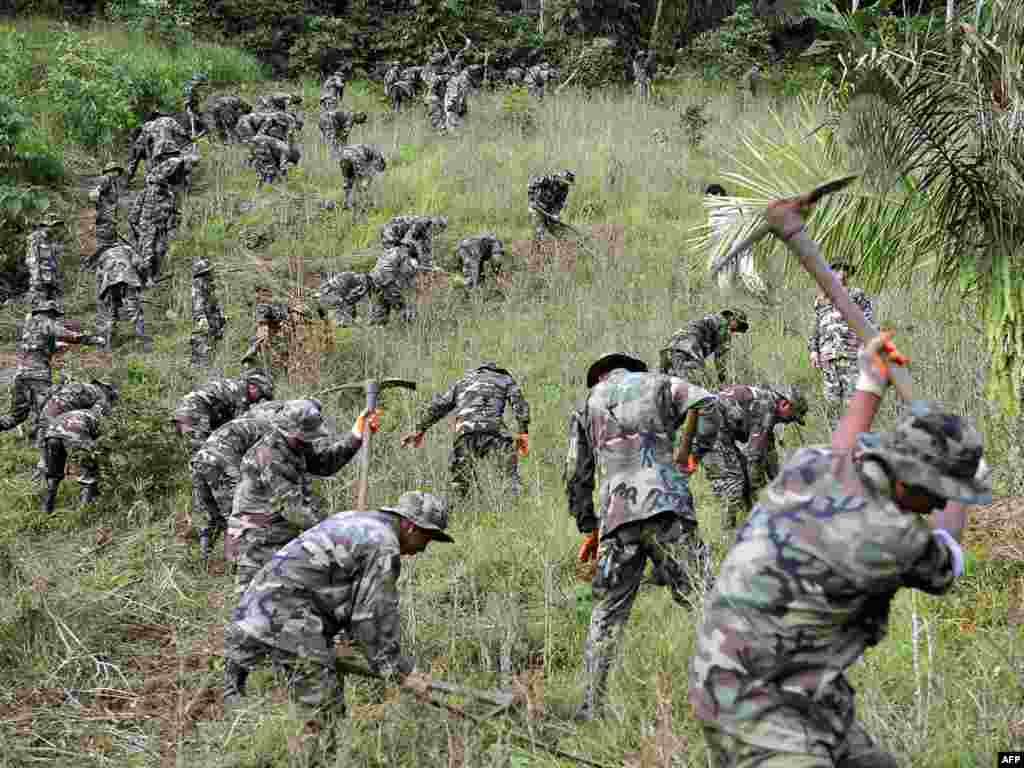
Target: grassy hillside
[110, 634]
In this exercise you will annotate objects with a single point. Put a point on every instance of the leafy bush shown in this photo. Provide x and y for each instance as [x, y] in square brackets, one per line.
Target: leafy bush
[729, 51]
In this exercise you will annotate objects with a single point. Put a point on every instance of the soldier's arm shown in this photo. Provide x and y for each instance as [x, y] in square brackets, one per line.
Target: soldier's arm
[439, 407]
[520, 407]
[580, 471]
[760, 444]
[722, 358]
[375, 624]
[330, 456]
[686, 396]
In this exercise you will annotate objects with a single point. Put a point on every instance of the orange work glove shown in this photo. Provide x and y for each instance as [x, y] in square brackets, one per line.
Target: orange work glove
[691, 464]
[523, 444]
[415, 439]
[362, 422]
[588, 549]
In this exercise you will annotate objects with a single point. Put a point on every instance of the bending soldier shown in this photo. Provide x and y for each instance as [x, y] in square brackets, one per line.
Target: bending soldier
[546, 196]
[70, 396]
[624, 433]
[158, 138]
[154, 216]
[416, 232]
[360, 163]
[119, 292]
[336, 128]
[689, 348]
[475, 252]
[106, 195]
[217, 402]
[342, 292]
[391, 279]
[478, 400]
[207, 317]
[225, 112]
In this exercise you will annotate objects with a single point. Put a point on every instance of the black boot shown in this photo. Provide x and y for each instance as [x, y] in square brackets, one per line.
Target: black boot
[50, 497]
[88, 494]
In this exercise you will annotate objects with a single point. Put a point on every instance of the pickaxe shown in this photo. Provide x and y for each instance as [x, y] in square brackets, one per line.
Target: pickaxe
[580, 236]
[372, 388]
[808, 254]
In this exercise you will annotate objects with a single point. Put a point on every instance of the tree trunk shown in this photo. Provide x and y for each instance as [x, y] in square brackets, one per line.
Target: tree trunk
[950, 13]
[542, 17]
[653, 41]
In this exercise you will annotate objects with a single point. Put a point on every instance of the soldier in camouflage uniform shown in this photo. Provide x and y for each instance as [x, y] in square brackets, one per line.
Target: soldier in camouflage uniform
[342, 292]
[279, 101]
[333, 87]
[158, 138]
[119, 294]
[43, 252]
[391, 279]
[268, 348]
[105, 195]
[434, 65]
[43, 330]
[624, 433]
[546, 196]
[360, 162]
[834, 345]
[537, 78]
[807, 587]
[195, 84]
[475, 252]
[416, 232]
[274, 500]
[70, 396]
[690, 347]
[437, 89]
[744, 459]
[514, 76]
[73, 435]
[154, 216]
[207, 316]
[643, 73]
[456, 94]
[280, 125]
[336, 127]
[478, 400]
[397, 88]
[216, 469]
[225, 112]
[338, 577]
[216, 403]
[270, 157]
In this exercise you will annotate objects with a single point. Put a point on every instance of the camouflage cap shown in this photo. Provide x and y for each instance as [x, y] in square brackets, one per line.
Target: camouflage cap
[302, 420]
[111, 167]
[609, 362]
[201, 266]
[739, 316]
[940, 452]
[262, 381]
[425, 511]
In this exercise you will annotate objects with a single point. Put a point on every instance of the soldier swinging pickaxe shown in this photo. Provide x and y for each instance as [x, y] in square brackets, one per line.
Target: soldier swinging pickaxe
[784, 217]
[372, 388]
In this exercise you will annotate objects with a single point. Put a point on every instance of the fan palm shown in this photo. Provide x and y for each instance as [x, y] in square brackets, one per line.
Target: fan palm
[939, 141]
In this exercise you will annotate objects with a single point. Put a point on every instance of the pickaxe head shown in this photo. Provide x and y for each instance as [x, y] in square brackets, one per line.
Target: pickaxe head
[372, 385]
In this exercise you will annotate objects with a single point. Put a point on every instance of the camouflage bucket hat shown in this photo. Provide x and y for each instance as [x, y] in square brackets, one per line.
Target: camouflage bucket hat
[111, 167]
[302, 419]
[609, 362]
[262, 382]
[424, 510]
[740, 317]
[797, 399]
[938, 451]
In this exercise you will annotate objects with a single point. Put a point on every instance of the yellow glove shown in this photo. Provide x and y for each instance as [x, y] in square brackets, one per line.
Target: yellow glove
[588, 549]
[362, 422]
[523, 444]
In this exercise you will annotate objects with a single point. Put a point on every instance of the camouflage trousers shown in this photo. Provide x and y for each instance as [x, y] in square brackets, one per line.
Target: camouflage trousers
[313, 686]
[252, 548]
[453, 117]
[839, 377]
[119, 301]
[106, 233]
[858, 751]
[387, 298]
[28, 396]
[726, 469]
[225, 118]
[471, 447]
[643, 89]
[213, 492]
[677, 555]
[203, 340]
[351, 288]
[153, 241]
[543, 225]
[688, 365]
[399, 93]
[57, 451]
[472, 266]
[436, 114]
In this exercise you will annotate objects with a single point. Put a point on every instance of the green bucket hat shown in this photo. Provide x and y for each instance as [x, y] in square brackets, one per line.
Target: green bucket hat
[425, 511]
[609, 362]
[938, 451]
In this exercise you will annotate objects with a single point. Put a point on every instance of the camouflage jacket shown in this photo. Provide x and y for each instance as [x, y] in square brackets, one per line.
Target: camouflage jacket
[643, 67]
[333, 88]
[278, 101]
[221, 399]
[42, 258]
[548, 192]
[106, 195]
[366, 160]
[625, 433]
[417, 232]
[455, 94]
[748, 416]
[482, 247]
[277, 124]
[38, 343]
[703, 338]
[803, 592]
[340, 575]
[396, 266]
[73, 396]
[832, 336]
[479, 399]
[536, 77]
[268, 152]
[158, 137]
[228, 444]
[78, 428]
[437, 87]
[275, 488]
[205, 307]
[336, 125]
[119, 264]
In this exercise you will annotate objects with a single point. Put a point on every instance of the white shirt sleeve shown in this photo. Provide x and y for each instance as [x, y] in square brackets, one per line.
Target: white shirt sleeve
[954, 550]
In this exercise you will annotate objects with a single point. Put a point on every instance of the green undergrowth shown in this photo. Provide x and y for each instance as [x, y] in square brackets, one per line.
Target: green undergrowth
[110, 630]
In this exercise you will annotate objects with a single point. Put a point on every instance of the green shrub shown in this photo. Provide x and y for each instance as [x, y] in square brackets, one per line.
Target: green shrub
[730, 50]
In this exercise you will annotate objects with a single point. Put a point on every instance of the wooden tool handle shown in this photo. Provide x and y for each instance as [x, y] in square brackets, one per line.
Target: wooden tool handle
[364, 458]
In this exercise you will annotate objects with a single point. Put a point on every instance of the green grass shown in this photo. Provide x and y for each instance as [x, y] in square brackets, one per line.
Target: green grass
[109, 631]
